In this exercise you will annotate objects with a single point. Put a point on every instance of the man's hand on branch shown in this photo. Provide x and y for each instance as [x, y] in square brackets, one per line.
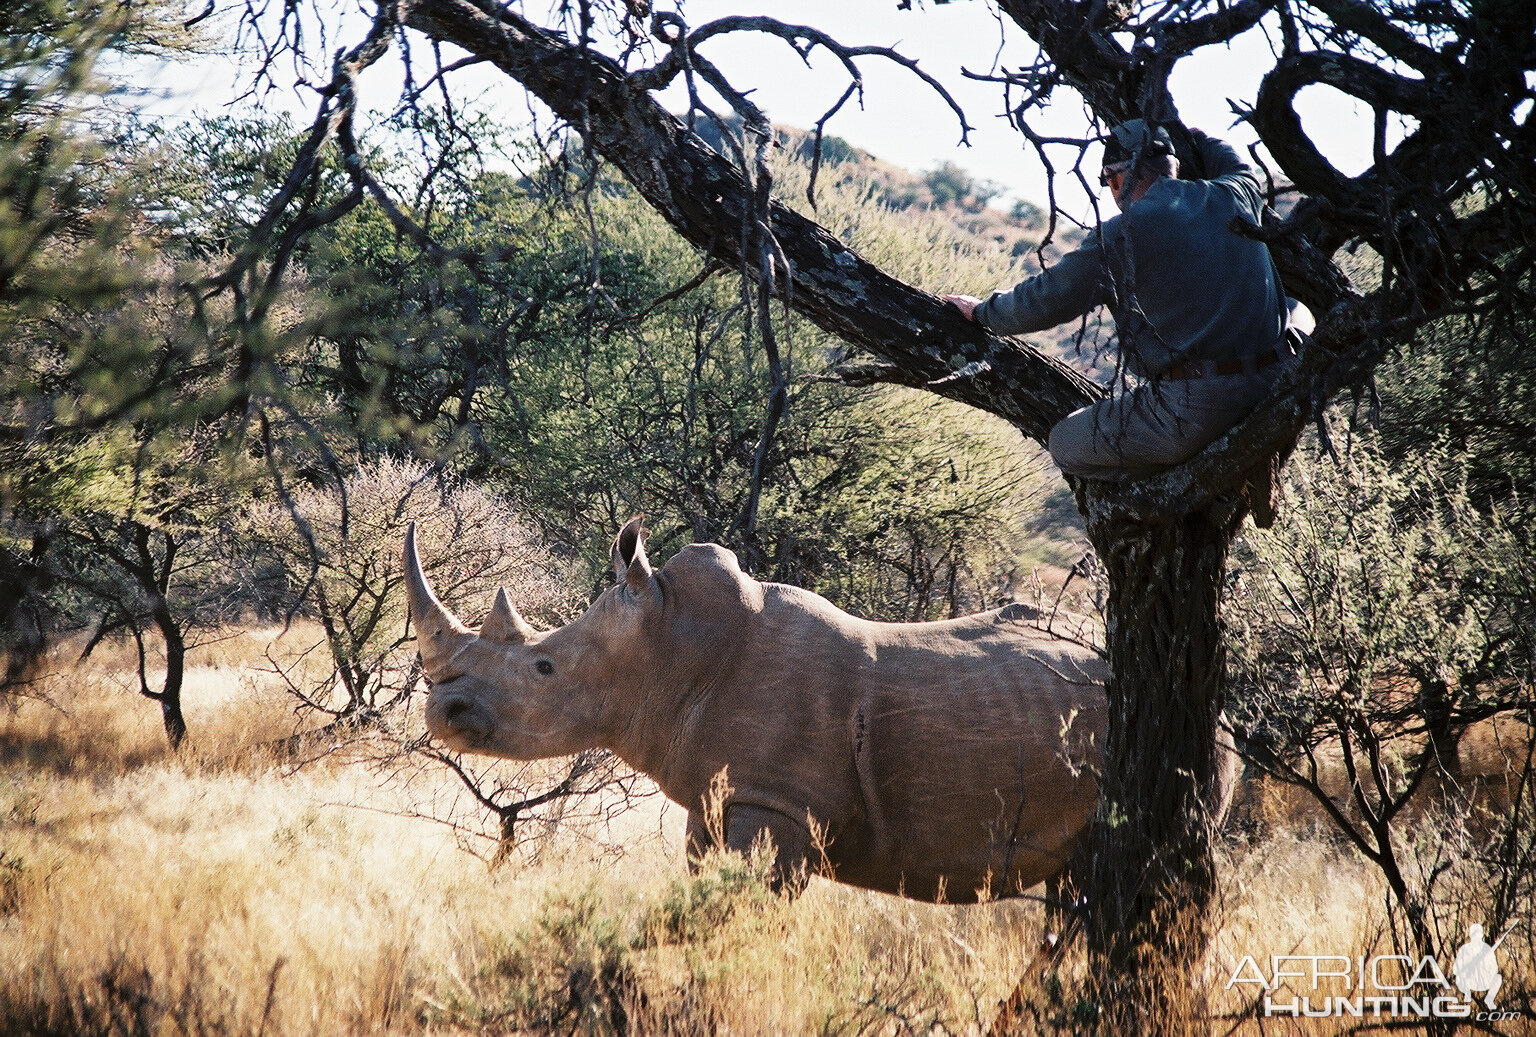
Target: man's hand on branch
[966, 304]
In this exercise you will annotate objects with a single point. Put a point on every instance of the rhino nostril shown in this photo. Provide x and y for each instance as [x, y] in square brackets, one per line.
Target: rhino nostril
[459, 720]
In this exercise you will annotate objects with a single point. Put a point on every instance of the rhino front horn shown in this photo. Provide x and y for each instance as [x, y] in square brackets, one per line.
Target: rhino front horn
[439, 634]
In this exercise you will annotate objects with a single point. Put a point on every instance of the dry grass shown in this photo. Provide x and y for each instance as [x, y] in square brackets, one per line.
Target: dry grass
[222, 892]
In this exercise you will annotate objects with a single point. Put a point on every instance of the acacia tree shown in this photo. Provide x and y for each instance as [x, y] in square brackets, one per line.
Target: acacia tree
[151, 572]
[1449, 209]
[63, 226]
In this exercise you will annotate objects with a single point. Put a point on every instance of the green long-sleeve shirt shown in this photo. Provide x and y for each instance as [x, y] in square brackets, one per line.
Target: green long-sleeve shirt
[1182, 285]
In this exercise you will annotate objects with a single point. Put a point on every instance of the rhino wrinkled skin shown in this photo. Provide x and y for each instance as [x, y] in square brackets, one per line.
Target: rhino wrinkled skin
[940, 761]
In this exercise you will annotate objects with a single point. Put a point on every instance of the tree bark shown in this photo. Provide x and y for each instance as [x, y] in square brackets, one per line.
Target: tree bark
[1149, 874]
[169, 695]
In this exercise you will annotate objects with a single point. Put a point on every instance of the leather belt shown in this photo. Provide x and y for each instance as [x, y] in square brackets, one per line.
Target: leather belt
[1217, 368]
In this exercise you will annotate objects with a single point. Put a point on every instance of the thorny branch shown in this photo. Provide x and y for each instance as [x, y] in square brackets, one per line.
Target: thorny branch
[803, 39]
[588, 774]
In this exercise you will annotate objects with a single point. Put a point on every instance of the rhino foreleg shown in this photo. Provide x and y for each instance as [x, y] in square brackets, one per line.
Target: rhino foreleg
[697, 839]
[744, 824]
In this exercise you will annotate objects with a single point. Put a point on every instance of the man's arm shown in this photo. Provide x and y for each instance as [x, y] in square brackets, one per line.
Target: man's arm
[1225, 166]
[1067, 290]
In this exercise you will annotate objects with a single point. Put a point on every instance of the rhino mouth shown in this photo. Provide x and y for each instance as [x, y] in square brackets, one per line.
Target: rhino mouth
[457, 721]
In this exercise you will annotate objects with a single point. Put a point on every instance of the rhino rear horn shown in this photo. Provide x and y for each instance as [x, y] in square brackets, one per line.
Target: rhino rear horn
[629, 562]
[439, 634]
[504, 625]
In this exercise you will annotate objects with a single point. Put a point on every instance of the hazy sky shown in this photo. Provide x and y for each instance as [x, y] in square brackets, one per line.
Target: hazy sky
[902, 119]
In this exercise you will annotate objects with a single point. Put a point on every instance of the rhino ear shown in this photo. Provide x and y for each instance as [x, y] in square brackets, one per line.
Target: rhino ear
[504, 625]
[629, 562]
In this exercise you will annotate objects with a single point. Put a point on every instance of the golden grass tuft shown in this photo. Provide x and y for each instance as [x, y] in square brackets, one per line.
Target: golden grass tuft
[223, 891]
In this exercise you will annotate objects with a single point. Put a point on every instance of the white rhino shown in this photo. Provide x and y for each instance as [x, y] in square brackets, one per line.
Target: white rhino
[924, 759]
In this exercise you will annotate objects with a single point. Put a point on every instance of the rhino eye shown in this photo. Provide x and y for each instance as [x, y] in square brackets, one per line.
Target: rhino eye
[545, 667]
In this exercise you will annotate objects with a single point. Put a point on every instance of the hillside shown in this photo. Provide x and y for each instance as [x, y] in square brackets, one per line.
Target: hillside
[967, 202]
[948, 188]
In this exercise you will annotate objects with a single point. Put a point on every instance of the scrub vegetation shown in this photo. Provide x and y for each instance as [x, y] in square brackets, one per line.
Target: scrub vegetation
[223, 889]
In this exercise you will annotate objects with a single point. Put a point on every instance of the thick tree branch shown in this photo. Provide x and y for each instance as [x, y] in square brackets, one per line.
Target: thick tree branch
[1391, 39]
[1179, 38]
[708, 201]
[1276, 118]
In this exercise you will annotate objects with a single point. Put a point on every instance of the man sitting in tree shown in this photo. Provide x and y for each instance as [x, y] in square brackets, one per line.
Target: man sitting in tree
[1199, 312]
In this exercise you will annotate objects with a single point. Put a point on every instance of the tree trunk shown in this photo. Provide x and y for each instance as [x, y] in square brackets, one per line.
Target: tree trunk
[1150, 874]
[175, 670]
[23, 636]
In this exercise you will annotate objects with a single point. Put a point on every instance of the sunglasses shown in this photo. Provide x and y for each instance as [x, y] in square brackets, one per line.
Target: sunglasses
[1113, 169]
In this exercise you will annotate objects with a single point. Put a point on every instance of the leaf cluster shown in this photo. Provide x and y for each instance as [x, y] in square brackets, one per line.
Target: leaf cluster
[1388, 596]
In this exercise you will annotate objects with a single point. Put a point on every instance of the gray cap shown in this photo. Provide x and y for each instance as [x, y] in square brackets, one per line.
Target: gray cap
[1135, 139]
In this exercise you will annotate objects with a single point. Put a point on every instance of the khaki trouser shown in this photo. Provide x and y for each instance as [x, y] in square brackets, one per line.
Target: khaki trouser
[1157, 424]
[1160, 424]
